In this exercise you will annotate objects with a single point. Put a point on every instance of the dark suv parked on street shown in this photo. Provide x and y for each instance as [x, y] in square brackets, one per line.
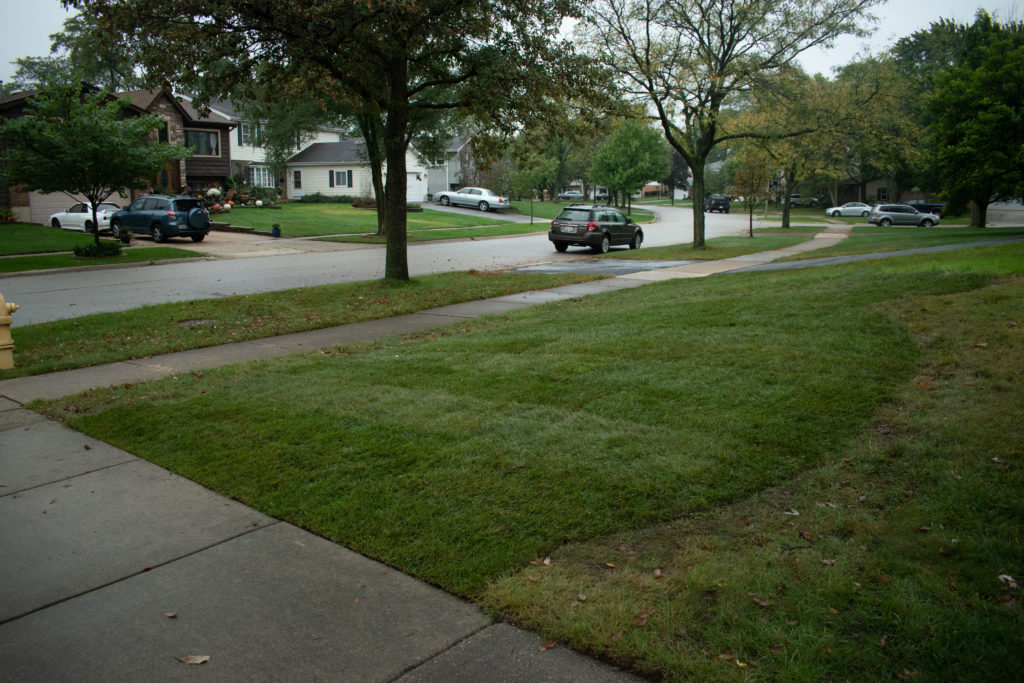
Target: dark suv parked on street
[717, 202]
[597, 227]
[161, 217]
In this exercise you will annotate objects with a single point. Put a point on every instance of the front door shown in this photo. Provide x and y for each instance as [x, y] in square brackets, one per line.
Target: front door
[296, 184]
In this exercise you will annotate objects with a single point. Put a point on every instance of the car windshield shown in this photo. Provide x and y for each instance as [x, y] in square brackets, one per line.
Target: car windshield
[186, 204]
[574, 215]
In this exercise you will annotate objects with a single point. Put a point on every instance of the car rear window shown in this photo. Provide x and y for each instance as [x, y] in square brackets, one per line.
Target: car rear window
[186, 204]
[574, 215]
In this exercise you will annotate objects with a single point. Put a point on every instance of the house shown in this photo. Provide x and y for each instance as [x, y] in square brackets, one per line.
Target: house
[249, 160]
[208, 136]
[341, 168]
[450, 171]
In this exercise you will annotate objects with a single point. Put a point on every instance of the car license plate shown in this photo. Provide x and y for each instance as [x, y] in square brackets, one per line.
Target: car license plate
[569, 228]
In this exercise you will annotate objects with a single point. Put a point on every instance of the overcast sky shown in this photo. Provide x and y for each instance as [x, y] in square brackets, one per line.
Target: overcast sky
[29, 23]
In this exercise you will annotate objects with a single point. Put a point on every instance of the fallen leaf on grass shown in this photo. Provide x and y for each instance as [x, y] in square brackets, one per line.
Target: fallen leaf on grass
[762, 603]
[609, 564]
[641, 619]
[194, 659]
[726, 656]
[806, 535]
[884, 641]
[581, 597]
[617, 636]
[547, 645]
[1008, 580]
[828, 563]
[981, 345]
[793, 512]
[923, 529]
[658, 574]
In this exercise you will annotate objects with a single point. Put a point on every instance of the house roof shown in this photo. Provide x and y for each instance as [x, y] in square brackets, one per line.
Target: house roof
[144, 99]
[347, 151]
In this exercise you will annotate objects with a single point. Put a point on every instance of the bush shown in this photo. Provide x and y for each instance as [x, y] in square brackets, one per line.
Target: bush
[104, 249]
[320, 198]
[364, 203]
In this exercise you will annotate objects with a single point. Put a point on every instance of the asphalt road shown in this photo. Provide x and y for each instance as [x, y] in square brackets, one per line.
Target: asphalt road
[247, 264]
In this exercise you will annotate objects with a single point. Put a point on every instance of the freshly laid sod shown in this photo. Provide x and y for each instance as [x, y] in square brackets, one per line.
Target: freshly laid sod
[715, 248]
[871, 239]
[25, 238]
[18, 264]
[841, 448]
[307, 220]
[151, 330]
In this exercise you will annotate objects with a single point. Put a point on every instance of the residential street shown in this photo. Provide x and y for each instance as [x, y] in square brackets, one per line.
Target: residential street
[248, 264]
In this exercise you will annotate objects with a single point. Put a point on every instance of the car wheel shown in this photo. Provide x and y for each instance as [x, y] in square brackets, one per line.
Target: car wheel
[115, 229]
[865, 214]
[157, 232]
[561, 247]
[198, 238]
[55, 223]
[926, 223]
[885, 222]
[89, 228]
[484, 206]
[606, 243]
[637, 240]
[444, 200]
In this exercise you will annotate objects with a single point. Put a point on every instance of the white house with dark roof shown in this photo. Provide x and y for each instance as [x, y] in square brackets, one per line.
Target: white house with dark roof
[341, 168]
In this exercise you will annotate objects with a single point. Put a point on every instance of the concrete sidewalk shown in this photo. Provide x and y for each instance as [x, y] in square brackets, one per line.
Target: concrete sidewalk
[114, 568]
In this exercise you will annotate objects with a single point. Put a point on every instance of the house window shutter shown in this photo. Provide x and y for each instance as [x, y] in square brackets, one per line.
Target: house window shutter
[330, 179]
[349, 178]
[240, 134]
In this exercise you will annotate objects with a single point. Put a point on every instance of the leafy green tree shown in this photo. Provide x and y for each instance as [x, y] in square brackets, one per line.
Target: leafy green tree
[495, 61]
[686, 58]
[82, 144]
[977, 136]
[633, 155]
[678, 174]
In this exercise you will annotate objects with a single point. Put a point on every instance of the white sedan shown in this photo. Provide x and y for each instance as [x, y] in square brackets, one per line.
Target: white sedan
[849, 209]
[79, 217]
[481, 198]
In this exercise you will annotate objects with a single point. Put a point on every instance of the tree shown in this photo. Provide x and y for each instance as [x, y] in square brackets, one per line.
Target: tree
[754, 173]
[400, 61]
[82, 144]
[632, 156]
[678, 174]
[977, 137]
[685, 58]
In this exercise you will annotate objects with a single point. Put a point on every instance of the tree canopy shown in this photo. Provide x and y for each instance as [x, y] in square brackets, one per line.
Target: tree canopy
[398, 61]
[633, 155]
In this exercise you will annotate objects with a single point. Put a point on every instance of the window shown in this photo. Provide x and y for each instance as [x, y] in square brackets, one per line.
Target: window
[247, 133]
[297, 180]
[339, 178]
[161, 132]
[203, 142]
[259, 176]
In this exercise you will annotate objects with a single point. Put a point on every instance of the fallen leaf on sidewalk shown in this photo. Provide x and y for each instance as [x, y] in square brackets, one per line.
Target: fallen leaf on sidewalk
[194, 659]
[171, 615]
[547, 645]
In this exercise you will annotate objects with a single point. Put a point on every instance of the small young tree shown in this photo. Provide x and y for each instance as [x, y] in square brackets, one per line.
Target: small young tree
[634, 154]
[82, 144]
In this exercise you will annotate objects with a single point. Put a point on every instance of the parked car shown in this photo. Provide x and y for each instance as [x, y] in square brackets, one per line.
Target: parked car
[901, 214]
[79, 217]
[850, 209]
[796, 200]
[480, 197]
[597, 227]
[717, 202]
[601, 196]
[927, 207]
[573, 195]
[161, 217]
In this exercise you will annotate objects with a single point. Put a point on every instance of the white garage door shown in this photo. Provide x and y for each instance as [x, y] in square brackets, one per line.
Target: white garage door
[416, 187]
[44, 205]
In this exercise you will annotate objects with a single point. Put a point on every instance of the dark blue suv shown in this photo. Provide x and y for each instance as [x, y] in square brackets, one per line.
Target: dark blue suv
[161, 217]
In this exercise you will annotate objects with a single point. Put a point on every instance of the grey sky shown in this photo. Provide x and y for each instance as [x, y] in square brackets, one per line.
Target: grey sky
[28, 24]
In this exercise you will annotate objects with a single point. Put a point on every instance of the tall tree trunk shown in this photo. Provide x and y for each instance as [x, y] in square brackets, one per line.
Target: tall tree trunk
[396, 265]
[698, 203]
[370, 128]
[979, 214]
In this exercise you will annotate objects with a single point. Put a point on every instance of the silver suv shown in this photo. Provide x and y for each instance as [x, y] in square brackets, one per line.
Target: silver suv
[597, 227]
[901, 214]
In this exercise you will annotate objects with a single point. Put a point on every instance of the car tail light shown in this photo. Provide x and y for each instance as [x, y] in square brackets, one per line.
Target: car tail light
[591, 226]
[170, 213]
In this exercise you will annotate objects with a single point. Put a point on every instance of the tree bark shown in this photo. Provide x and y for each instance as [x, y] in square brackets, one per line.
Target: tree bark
[698, 204]
[979, 214]
[396, 265]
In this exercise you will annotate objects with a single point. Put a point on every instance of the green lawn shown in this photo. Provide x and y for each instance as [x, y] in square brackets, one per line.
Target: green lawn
[25, 238]
[307, 220]
[800, 475]
[19, 264]
[868, 239]
[152, 330]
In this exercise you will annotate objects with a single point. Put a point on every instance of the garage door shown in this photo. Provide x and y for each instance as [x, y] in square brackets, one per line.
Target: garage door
[416, 187]
[43, 205]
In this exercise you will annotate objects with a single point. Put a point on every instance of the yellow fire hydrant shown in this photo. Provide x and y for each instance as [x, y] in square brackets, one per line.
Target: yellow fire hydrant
[6, 343]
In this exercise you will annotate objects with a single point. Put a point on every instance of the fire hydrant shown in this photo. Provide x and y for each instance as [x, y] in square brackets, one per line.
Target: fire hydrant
[6, 343]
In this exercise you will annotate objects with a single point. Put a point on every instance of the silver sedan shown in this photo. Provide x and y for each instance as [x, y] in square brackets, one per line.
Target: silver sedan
[79, 217]
[849, 209]
[480, 197]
